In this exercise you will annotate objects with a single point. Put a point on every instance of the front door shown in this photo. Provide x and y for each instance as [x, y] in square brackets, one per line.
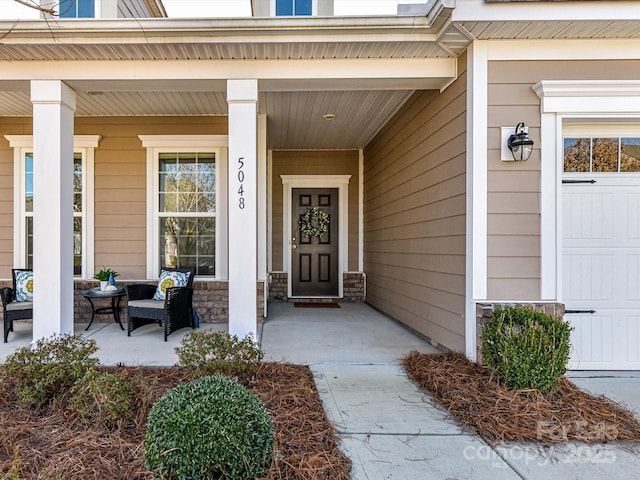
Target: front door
[314, 242]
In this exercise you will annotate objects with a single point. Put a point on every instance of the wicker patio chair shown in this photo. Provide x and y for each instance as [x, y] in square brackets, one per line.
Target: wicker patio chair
[13, 310]
[174, 312]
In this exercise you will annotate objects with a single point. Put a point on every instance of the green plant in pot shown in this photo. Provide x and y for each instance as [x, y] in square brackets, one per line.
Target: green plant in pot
[103, 275]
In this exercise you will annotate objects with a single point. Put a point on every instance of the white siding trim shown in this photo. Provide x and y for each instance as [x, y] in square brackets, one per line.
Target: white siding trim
[270, 211]
[549, 220]
[341, 182]
[361, 210]
[585, 49]
[480, 11]
[476, 226]
[263, 206]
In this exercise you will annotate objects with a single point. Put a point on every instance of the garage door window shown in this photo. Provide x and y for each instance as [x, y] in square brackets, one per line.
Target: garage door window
[601, 154]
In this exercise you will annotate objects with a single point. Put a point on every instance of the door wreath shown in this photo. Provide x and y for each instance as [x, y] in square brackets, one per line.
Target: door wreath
[314, 222]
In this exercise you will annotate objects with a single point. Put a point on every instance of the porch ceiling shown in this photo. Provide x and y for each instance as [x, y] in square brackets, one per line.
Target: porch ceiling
[307, 67]
[295, 119]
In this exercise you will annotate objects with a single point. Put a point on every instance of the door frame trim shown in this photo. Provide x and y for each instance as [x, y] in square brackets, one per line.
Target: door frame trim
[341, 182]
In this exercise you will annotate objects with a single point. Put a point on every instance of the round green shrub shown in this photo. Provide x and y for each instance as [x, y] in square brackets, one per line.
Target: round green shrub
[106, 398]
[526, 349]
[49, 367]
[211, 428]
[204, 354]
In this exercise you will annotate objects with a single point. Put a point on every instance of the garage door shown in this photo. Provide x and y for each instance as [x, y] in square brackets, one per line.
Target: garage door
[601, 269]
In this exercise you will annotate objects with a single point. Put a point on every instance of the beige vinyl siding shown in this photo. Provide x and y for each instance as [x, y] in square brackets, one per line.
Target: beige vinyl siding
[314, 162]
[414, 214]
[513, 201]
[120, 208]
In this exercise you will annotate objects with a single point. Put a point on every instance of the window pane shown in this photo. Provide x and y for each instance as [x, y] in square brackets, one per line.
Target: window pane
[187, 182]
[188, 242]
[86, 8]
[28, 182]
[303, 7]
[630, 155]
[604, 155]
[29, 241]
[284, 7]
[77, 246]
[577, 152]
[77, 182]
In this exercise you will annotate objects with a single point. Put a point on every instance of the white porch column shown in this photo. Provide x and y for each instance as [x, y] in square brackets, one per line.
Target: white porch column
[54, 104]
[242, 96]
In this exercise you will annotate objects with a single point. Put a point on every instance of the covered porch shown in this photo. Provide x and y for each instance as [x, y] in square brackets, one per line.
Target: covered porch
[277, 120]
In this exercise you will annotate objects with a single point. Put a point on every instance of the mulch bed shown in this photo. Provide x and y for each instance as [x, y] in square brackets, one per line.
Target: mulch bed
[498, 414]
[56, 443]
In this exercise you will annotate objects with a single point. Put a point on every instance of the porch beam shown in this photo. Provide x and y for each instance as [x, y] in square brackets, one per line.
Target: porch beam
[242, 97]
[54, 105]
[328, 69]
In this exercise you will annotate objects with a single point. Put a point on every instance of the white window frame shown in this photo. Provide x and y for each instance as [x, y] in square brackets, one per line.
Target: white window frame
[314, 8]
[83, 144]
[156, 144]
[563, 102]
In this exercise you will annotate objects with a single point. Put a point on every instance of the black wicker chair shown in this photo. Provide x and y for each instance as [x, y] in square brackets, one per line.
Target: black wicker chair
[13, 310]
[174, 312]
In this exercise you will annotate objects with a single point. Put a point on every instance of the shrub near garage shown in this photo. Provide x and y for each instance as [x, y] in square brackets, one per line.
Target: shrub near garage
[49, 367]
[526, 349]
[219, 353]
[211, 428]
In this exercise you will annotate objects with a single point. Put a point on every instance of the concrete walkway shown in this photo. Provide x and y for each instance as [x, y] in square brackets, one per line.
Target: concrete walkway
[388, 427]
[391, 430]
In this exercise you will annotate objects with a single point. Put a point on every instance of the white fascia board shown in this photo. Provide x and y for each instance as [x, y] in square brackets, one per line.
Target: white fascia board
[208, 30]
[564, 49]
[480, 11]
[231, 69]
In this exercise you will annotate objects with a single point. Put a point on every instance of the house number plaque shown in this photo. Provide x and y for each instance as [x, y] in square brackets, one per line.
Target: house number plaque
[241, 181]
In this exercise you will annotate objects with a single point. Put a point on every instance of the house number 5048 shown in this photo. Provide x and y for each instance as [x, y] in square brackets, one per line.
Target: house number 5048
[241, 180]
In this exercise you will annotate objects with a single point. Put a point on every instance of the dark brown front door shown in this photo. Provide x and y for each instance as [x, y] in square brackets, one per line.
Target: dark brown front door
[314, 259]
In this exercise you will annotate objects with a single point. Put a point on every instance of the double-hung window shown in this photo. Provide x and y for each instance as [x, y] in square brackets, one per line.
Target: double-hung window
[24, 194]
[187, 210]
[185, 202]
[77, 9]
[285, 8]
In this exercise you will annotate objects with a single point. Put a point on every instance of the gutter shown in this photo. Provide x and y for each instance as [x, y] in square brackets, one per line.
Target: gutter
[165, 29]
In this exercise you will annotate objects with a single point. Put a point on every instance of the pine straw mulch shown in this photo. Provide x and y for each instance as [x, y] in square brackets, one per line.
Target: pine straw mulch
[499, 414]
[56, 443]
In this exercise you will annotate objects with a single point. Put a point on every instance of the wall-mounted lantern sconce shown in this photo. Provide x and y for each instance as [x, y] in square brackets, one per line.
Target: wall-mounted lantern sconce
[520, 144]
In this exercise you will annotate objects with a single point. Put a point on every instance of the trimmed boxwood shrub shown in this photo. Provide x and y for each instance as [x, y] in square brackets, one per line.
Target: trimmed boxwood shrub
[204, 353]
[50, 367]
[211, 428]
[526, 349]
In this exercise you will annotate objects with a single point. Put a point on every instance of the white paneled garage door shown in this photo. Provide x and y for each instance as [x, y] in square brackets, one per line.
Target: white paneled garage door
[601, 268]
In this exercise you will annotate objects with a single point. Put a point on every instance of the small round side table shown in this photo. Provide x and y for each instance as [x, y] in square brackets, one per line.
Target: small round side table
[114, 309]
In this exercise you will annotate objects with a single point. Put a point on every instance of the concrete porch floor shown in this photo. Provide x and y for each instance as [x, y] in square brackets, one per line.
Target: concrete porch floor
[388, 427]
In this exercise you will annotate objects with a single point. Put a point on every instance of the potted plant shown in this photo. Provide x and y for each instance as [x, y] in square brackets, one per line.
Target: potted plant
[103, 275]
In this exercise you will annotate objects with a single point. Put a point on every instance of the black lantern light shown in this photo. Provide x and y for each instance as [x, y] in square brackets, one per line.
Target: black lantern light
[520, 144]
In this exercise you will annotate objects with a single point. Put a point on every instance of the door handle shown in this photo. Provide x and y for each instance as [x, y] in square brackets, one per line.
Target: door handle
[580, 311]
[294, 246]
